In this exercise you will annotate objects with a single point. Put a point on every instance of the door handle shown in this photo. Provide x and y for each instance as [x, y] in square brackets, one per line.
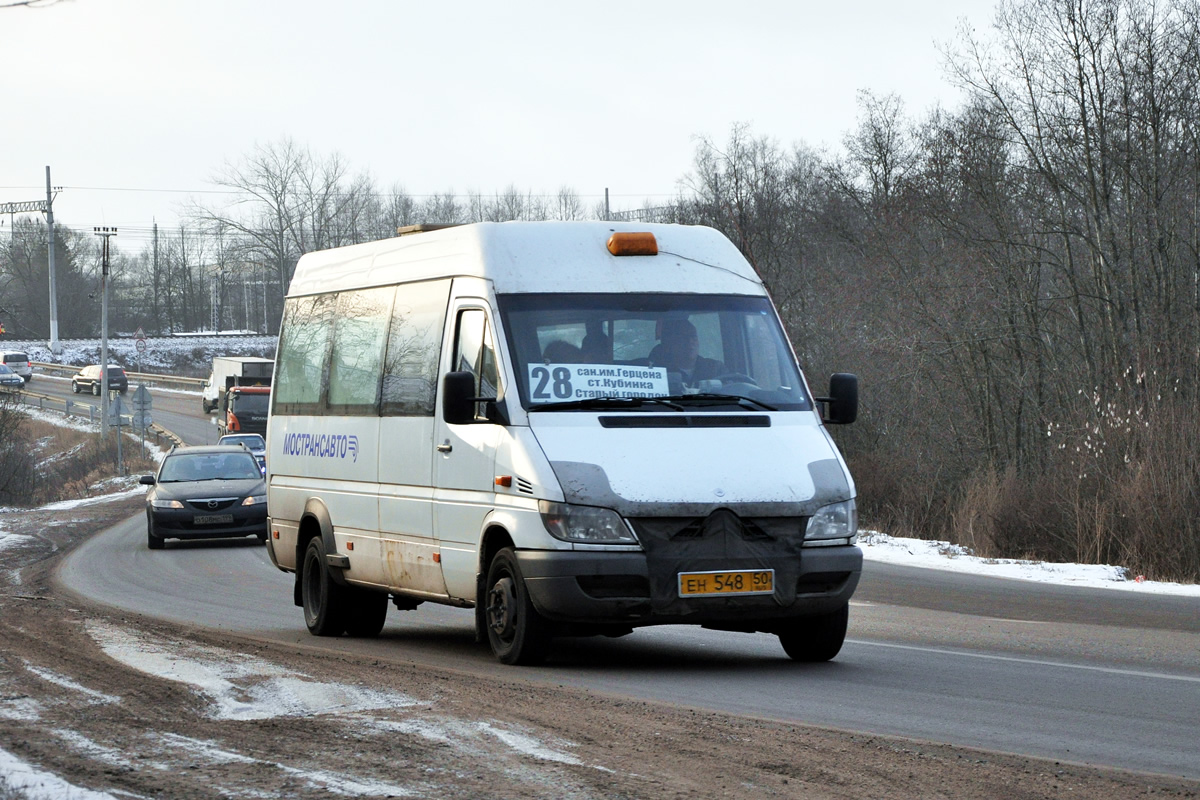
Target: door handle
[445, 447]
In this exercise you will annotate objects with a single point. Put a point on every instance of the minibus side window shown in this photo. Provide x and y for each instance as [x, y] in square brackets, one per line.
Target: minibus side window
[356, 363]
[302, 360]
[414, 348]
[475, 353]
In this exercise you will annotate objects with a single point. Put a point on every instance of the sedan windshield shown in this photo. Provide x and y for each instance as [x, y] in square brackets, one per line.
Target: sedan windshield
[209, 467]
[704, 352]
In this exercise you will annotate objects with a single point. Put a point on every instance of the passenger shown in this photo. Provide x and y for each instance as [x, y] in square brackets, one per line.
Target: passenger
[679, 351]
[597, 349]
[562, 352]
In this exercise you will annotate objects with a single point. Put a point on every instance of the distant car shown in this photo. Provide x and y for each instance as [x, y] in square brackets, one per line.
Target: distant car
[9, 380]
[88, 378]
[253, 442]
[18, 362]
[210, 492]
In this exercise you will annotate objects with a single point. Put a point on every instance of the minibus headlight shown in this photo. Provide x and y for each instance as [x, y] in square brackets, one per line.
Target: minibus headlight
[586, 524]
[837, 521]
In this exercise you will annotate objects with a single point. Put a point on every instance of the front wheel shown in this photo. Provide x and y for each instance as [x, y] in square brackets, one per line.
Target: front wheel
[324, 599]
[152, 542]
[74, 387]
[516, 631]
[818, 638]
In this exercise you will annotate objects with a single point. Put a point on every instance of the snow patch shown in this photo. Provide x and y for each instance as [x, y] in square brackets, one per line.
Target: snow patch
[67, 683]
[32, 783]
[882, 548]
[82, 744]
[527, 745]
[240, 687]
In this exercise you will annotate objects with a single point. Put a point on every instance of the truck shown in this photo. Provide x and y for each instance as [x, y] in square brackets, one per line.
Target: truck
[228, 371]
[243, 409]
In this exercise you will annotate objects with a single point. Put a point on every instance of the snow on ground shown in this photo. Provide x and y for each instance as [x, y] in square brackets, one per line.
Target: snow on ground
[942, 555]
[175, 355]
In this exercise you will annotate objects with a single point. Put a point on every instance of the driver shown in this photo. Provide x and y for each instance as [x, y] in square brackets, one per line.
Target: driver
[679, 351]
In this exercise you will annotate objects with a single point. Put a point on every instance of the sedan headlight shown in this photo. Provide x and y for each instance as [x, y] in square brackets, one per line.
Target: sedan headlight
[166, 504]
[836, 523]
[255, 500]
[586, 524]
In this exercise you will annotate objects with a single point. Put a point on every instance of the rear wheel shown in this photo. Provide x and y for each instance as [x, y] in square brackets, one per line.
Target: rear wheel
[816, 638]
[367, 613]
[95, 390]
[324, 600]
[516, 632]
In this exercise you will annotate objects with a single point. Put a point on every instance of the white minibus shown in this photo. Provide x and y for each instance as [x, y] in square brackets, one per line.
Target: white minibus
[574, 428]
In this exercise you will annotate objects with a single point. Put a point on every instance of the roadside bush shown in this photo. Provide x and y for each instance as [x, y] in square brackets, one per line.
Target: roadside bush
[16, 459]
[41, 462]
[1123, 488]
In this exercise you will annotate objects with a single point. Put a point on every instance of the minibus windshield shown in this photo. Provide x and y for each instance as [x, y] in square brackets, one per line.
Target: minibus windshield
[704, 352]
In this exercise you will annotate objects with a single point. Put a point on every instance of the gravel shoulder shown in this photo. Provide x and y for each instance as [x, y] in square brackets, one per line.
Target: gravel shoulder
[126, 706]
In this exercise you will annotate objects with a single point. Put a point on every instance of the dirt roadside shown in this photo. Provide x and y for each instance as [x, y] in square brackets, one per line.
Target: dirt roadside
[132, 707]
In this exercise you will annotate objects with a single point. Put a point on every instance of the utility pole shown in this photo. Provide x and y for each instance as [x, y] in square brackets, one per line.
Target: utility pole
[55, 346]
[45, 207]
[105, 233]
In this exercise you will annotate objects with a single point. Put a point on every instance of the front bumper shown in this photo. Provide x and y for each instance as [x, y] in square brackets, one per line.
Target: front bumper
[174, 523]
[630, 589]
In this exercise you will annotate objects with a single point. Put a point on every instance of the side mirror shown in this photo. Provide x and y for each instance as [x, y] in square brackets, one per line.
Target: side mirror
[458, 398]
[146, 480]
[841, 406]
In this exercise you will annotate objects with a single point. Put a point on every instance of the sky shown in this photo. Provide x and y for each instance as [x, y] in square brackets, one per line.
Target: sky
[137, 106]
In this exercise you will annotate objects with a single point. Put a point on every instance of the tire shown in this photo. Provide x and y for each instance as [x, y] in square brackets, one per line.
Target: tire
[74, 387]
[153, 542]
[95, 390]
[813, 639]
[516, 632]
[367, 613]
[324, 599]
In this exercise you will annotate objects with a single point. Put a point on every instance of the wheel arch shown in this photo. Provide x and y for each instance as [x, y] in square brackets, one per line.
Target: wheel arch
[315, 521]
[495, 538]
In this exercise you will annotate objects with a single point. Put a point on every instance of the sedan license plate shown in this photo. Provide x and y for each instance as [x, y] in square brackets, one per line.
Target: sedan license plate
[213, 519]
[710, 584]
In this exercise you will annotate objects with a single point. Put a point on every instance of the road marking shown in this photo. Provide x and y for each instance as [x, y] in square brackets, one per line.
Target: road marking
[1039, 662]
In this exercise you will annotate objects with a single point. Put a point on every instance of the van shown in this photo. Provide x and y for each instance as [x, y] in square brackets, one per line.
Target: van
[574, 428]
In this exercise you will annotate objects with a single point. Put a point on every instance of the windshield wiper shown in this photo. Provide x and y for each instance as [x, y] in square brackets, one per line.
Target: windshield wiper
[607, 403]
[716, 399]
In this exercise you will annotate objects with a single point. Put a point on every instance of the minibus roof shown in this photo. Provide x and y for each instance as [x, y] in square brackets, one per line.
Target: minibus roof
[521, 257]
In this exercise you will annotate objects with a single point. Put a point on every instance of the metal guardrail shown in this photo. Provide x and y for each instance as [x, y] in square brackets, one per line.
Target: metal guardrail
[73, 408]
[150, 379]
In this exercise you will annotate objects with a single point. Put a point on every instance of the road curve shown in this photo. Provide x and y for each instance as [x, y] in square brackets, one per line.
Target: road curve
[1036, 684]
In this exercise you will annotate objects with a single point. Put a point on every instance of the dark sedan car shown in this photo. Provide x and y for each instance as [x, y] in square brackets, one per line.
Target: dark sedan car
[206, 493]
[89, 379]
[9, 380]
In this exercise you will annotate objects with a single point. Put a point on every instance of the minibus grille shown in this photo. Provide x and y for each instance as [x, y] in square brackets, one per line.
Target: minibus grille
[751, 529]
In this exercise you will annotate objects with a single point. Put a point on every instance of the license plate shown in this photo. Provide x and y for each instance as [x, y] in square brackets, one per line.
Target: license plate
[212, 519]
[708, 584]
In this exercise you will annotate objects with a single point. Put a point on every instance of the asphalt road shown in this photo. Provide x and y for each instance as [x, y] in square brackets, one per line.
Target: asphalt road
[1081, 675]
